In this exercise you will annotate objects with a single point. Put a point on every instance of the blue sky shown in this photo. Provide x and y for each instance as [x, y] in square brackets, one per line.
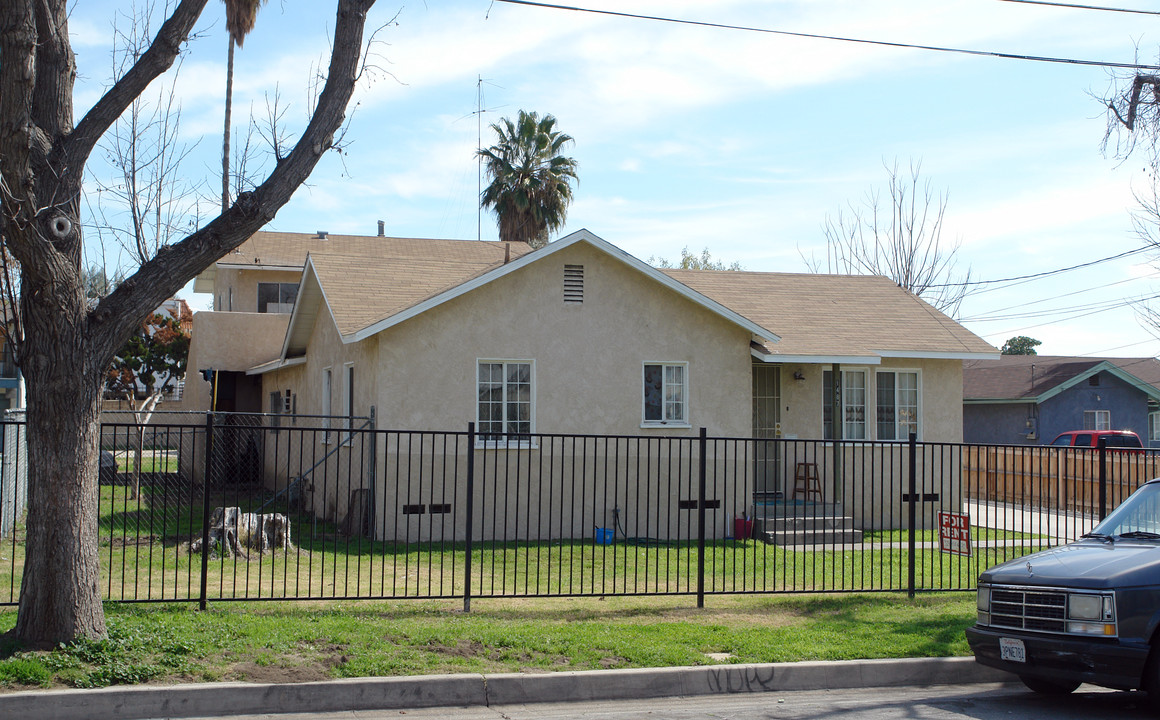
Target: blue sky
[739, 142]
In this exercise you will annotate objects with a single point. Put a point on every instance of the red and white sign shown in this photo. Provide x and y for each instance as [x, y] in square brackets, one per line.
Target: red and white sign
[954, 533]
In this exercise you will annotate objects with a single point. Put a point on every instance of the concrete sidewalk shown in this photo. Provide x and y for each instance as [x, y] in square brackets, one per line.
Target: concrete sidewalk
[216, 699]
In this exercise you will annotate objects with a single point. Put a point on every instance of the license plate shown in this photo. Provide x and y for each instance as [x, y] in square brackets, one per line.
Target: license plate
[1013, 650]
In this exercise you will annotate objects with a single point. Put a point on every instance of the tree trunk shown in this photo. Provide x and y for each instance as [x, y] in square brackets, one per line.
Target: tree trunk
[60, 594]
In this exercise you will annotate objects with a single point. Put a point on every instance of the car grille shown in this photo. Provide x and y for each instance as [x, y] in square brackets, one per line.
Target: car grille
[1043, 610]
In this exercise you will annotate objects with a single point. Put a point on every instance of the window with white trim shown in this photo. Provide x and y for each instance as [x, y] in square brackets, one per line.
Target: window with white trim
[347, 399]
[324, 404]
[1154, 426]
[853, 404]
[1097, 420]
[666, 393]
[505, 409]
[896, 404]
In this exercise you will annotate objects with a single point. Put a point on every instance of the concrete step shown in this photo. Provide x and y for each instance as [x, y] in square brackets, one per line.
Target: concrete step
[802, 524]
[799, 538]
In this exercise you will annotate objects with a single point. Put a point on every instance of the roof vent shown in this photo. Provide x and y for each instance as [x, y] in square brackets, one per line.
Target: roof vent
[573, 283]
[382, 228]
[322, 234]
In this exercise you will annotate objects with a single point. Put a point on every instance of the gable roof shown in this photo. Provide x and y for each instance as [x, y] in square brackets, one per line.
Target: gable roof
[1037, 378]
[343, 285]
[791, 317]
[288, 251]
[838, 318]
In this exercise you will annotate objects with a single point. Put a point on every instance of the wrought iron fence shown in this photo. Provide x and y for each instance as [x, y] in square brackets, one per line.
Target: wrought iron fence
[221, 507]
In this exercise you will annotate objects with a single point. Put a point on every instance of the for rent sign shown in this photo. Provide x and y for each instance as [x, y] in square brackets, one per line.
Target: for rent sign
[954, 533]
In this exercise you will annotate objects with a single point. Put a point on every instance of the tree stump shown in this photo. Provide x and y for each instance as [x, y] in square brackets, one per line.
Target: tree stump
[236, 531]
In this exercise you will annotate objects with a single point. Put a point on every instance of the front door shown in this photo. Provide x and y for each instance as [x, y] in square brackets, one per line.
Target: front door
[767, 425]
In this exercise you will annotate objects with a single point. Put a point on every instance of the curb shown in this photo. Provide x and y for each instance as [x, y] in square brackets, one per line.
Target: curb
[217, 699]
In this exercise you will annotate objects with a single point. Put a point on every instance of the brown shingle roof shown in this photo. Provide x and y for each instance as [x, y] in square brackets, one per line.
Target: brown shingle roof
[361, 291]
[1026, 377]
[284, 249]
[834, 315]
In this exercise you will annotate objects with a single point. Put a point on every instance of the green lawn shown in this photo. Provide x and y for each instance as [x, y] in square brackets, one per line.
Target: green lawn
[284, 642]
[144, 551]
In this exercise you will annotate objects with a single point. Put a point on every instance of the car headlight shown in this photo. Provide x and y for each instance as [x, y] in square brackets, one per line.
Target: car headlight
[983, 599]
[1084, 607]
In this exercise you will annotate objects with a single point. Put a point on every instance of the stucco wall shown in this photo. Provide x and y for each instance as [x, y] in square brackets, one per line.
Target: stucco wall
[231, 342]
[588, 357]
[940, 398]
[244, 285]
[1000, 424]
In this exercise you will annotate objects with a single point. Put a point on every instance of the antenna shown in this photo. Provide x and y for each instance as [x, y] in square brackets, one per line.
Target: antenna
[478, 157]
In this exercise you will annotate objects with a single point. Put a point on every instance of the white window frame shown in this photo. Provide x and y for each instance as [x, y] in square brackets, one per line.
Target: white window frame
[348, 401]
[897, 414]
[1099, 419]
[1153, 426]
[665, 421]
[326, 389]
[503, 443]
[867, 397]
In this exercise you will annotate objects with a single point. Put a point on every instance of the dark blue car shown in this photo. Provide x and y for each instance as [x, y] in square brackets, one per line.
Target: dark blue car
[1083, 612]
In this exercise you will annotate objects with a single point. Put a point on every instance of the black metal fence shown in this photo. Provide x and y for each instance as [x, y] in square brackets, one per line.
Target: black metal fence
[219, 507]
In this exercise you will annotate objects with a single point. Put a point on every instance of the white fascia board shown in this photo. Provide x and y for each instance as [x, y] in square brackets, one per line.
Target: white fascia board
[275, 365]
[921, 355]
[297, 315]
[817, 359]
[550, 249]
[256, 266]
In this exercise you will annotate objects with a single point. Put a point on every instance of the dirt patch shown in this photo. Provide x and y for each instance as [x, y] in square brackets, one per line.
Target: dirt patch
[252, 672]
[462, 649]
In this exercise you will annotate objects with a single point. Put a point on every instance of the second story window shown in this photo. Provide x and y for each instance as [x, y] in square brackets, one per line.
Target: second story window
[276, 297]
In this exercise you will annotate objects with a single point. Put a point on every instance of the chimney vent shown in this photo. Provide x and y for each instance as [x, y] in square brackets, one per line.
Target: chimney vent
[507, 253]
[322, 234]
[382, 228]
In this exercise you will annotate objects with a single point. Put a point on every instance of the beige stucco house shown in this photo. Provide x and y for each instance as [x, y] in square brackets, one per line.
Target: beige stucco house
[578, 337]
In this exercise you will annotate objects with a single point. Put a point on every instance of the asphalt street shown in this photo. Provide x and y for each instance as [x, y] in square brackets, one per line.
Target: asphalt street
[944, 702]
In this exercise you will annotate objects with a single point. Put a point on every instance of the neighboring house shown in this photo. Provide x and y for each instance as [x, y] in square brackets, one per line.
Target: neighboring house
[577, 337]
[1029, 399]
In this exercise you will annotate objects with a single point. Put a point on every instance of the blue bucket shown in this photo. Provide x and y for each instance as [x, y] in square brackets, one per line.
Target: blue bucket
[604, 535]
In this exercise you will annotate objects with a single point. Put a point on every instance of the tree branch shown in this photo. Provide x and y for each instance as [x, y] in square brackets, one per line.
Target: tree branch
[173, 266]
[72, 155]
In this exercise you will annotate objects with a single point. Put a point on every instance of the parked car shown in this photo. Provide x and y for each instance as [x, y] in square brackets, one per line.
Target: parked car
[1088, 611]
[1091, 438]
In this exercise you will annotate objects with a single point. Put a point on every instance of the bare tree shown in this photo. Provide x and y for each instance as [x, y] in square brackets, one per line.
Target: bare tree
[146, 200]
[1132, 104]
[897, 233]
[67, 344]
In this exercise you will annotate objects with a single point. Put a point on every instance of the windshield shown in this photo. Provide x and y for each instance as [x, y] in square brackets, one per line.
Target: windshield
[1138, 516]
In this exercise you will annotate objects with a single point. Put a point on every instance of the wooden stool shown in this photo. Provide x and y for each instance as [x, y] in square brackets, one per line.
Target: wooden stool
[805, 481]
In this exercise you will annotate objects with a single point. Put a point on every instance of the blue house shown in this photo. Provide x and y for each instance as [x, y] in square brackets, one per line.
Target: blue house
[1029, 399]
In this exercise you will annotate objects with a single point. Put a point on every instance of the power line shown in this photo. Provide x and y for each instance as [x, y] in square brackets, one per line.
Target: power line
[814, 36]
[1085, 7]
[992, 313]
[1047, 273]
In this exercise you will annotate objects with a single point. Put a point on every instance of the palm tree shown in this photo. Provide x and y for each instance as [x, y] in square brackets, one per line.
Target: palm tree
[530, 180]
[240, 18]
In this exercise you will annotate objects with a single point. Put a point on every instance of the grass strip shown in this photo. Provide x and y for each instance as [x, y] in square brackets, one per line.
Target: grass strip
[283, 642]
